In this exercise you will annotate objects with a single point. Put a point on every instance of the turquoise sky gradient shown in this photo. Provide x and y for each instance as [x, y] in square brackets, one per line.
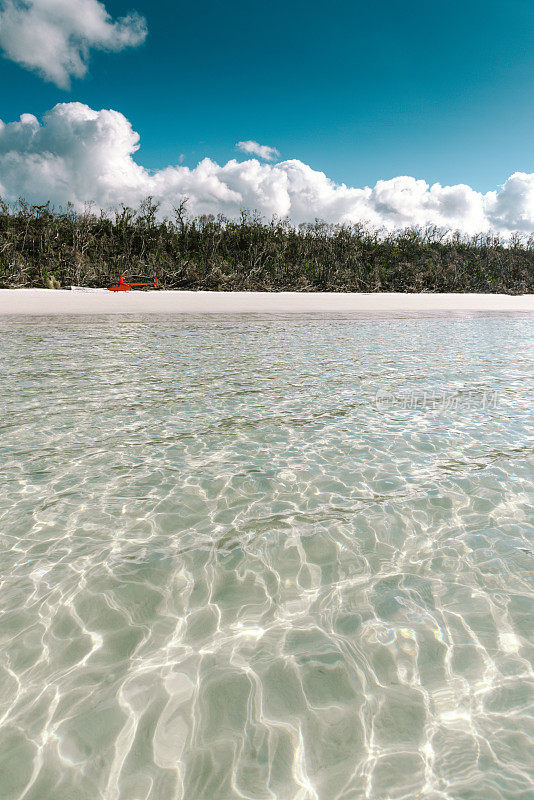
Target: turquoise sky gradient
[441, 91]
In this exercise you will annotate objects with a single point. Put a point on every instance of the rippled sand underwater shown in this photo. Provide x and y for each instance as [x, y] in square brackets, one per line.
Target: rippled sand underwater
[228, 570]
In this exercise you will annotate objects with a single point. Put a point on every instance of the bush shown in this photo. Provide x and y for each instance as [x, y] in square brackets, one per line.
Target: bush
[43, 247]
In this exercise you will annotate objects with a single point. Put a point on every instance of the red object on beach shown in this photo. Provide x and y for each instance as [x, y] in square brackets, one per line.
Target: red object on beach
[122, 286]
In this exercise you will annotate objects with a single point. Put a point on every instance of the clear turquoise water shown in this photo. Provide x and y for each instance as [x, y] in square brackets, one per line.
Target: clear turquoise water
[227, 571]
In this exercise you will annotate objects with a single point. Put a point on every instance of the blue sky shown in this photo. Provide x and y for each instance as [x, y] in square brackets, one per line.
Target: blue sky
[441, 91]
[391, 114]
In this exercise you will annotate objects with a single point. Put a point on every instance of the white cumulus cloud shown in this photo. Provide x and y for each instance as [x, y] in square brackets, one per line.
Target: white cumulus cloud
[80, 155]
[252, 148]
[54, 37]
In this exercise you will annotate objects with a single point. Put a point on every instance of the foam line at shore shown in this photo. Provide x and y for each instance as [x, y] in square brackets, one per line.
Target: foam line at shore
[47, 301]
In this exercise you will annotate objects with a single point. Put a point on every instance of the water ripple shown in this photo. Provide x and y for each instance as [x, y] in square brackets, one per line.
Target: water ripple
[226, 573]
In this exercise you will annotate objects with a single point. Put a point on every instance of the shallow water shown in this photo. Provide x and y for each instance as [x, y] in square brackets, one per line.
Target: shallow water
[266, 557]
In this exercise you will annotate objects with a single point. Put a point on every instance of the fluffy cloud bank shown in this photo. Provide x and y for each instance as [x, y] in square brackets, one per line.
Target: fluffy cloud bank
[54, 37]
[261, 150]
[79, 155]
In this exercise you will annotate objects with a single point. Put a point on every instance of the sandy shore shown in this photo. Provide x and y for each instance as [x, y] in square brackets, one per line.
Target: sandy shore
[100, 301]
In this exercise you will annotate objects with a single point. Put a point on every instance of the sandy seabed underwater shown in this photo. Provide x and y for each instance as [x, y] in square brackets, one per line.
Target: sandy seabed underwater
[266, 557]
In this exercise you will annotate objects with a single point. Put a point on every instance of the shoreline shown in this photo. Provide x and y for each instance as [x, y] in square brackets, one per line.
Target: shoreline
[44, 302]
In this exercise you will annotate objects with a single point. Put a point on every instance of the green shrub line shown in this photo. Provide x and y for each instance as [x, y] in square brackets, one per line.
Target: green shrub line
[44, 247]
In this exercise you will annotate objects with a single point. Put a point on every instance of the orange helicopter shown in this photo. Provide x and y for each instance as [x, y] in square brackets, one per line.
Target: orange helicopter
[123, 286]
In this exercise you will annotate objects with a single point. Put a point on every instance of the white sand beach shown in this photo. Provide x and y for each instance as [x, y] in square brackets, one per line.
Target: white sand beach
[100, 301]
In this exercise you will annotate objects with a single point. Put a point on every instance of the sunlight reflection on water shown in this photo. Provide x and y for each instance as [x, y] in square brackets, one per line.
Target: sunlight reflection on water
[228, 572]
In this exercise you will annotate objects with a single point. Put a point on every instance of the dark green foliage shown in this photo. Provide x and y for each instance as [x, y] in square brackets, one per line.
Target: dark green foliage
[42, 247]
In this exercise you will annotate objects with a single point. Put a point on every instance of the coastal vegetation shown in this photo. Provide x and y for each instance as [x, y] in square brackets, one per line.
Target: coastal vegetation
[43, 247]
